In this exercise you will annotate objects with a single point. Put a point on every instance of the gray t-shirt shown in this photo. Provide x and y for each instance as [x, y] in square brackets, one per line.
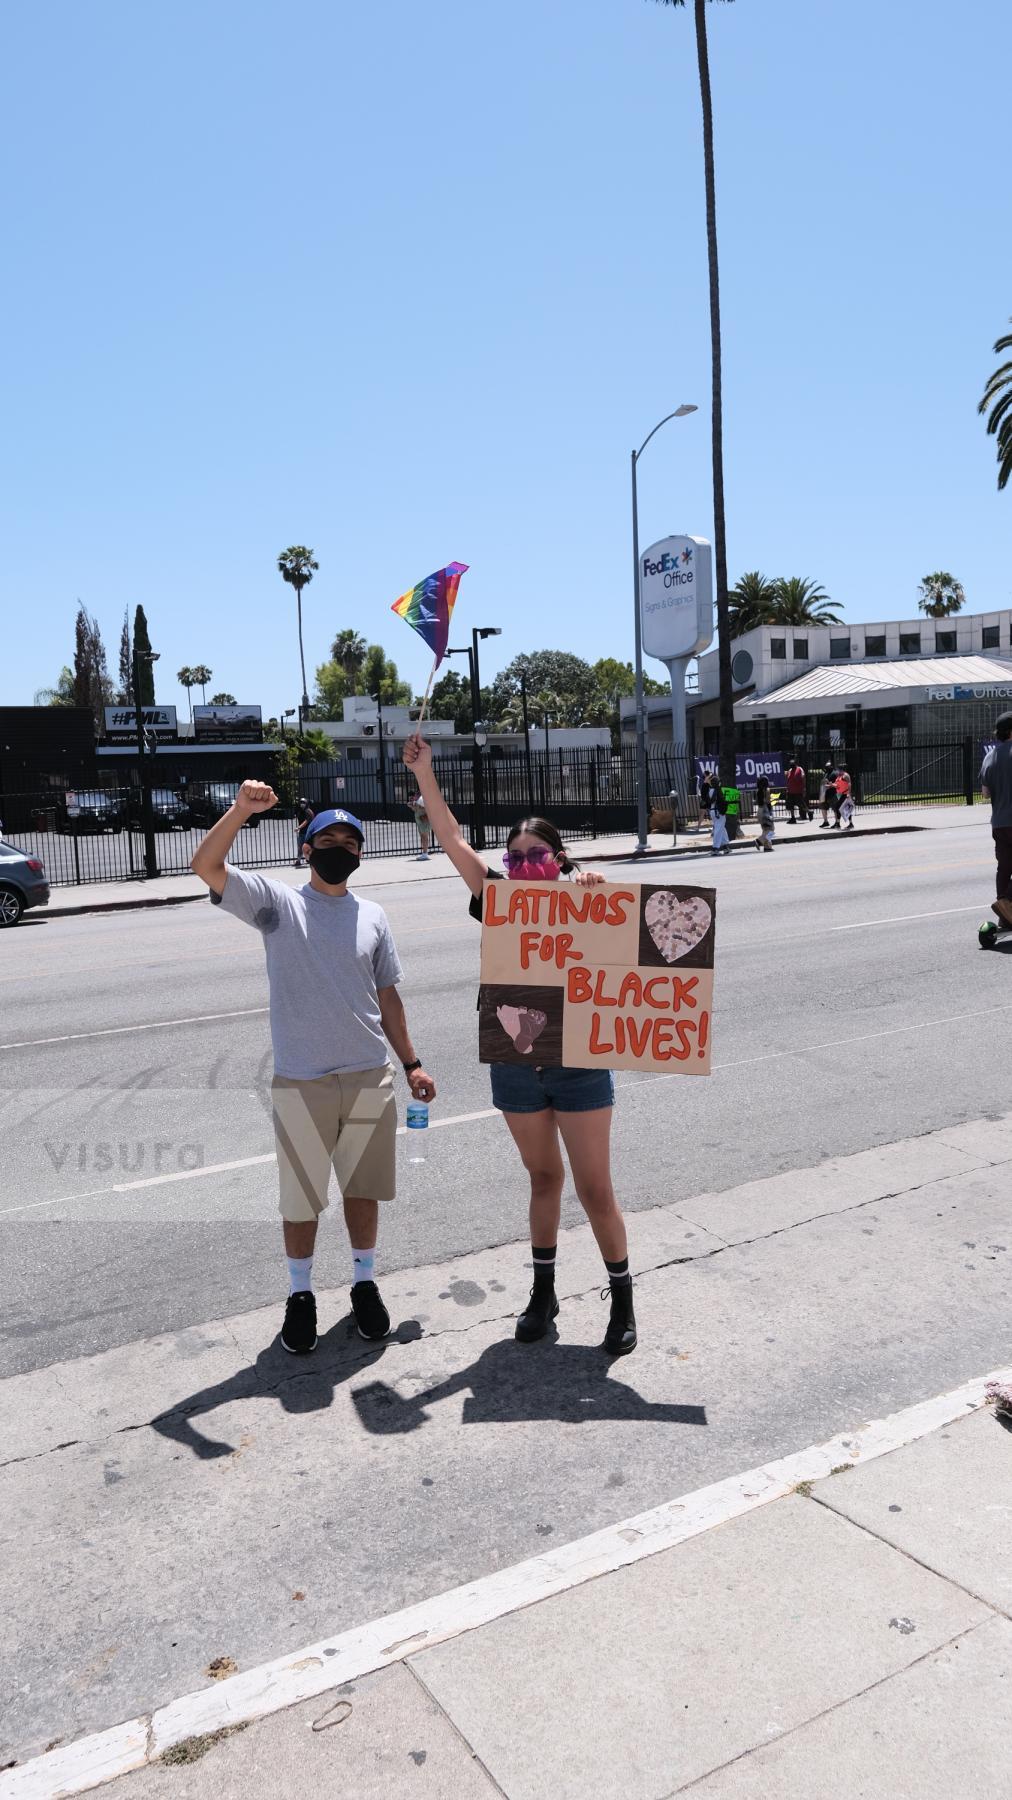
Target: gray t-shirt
[996, 776]
[327, 955]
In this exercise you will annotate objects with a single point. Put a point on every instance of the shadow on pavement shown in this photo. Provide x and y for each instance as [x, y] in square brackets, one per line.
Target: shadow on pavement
[302, 1384]
[513, 1383]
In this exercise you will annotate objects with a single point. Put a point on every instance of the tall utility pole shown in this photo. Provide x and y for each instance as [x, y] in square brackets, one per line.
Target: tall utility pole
[378, 697]
[147, 813]
[527, 743]
[479, 632]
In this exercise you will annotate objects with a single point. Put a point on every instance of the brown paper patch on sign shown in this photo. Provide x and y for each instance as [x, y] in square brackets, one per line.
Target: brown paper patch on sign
[639, 1019]
[537, 929]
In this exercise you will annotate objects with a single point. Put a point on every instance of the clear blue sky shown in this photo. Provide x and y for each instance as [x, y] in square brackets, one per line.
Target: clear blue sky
[406, 283]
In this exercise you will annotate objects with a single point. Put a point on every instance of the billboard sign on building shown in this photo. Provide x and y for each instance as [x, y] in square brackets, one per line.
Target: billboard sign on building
[228, 724]
[676, 597]
[121, 723]
[748, 767]
[988, 690]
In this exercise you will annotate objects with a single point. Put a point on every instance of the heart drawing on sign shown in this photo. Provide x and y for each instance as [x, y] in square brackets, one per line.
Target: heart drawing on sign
[522, 1024]
[677, 926]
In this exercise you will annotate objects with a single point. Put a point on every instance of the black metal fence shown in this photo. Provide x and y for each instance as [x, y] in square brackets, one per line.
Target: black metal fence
[96, 834]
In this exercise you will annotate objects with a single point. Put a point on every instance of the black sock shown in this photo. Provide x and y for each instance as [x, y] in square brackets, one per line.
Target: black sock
[544, 1263]
[618, 1272]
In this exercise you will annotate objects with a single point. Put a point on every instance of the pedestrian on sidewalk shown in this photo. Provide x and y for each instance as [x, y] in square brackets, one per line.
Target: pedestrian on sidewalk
[704, 791]
[543, 1105]
[829, 799]
[332, 970]
[797, 793]
[305, 812]
[719, 844]
[764, 813]
[424, 829]
[845, 795]
[996, 785]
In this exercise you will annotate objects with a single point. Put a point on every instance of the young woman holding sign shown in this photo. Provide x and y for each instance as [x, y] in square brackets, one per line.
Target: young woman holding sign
[542, 1105]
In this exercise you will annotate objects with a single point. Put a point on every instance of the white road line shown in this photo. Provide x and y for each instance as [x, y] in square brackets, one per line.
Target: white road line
[222, 1168]
[905, 918]
[351, 1655]
[76, 1037]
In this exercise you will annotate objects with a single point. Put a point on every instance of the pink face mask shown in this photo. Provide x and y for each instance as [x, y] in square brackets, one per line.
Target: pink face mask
[531, 865]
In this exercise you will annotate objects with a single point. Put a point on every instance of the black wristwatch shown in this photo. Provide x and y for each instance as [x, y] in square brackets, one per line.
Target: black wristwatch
[409, 1068]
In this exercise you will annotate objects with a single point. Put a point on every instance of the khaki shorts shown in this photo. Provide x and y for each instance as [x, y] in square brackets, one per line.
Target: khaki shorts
[347, 1123]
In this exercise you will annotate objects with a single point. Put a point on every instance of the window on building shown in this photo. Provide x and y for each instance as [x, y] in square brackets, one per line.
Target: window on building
[910, 643]
[354, 753]
[990, 637]
[945, 642]
[839, 649]
[875, 646]
[801, 649]
[778, 649]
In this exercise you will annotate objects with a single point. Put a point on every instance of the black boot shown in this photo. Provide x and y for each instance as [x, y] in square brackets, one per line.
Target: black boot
[541, 1309]
[620, 1336]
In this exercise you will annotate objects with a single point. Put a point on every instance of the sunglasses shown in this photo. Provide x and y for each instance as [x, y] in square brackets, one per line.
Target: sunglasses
[515, 859]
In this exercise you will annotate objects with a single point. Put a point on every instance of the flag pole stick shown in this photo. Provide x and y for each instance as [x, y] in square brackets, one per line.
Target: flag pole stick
[428, 691]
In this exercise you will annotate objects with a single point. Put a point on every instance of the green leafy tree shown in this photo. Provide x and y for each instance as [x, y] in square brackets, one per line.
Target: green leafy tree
[998, 396]
[142, 651]
[297, 565]
[126, 673]
[727, 740]
[349, 649]
[616, 680]
[750, 602]
[567, 678]
[379, 673]
[330, 690]
[451, 699]
[92, 686]
[940, 595]
[801, 602]
[223, 700]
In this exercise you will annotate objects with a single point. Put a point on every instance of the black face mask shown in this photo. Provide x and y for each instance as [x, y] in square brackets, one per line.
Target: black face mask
[335, 864]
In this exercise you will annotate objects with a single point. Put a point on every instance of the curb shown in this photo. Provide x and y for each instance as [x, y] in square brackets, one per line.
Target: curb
[132, 905]
[319, 1668]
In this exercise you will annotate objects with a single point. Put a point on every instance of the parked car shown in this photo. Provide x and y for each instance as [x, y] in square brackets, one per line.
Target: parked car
[23, 883]
[209, 800]
[171, 809]
[91, 809]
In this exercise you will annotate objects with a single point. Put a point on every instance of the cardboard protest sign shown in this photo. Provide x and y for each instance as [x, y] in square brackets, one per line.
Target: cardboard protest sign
[612, 977]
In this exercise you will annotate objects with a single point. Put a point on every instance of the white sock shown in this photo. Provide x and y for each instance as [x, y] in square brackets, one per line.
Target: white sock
[365, 1262]
[300, 1274]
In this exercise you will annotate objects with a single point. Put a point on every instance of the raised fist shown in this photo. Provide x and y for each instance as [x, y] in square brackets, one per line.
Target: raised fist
[417, 753]
[256, 797]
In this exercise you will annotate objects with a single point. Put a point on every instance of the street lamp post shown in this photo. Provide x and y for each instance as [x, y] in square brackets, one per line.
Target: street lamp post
[479, 632]
[378, 697]
[147, 814]
[680, 412]
[527, 743]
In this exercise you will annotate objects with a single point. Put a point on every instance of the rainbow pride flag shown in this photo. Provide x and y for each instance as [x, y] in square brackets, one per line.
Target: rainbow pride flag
[427, 608]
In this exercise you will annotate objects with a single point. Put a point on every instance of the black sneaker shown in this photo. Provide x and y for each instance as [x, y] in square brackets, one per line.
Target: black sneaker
[371, 1315]
[620, 1336]
[298, 1333]
[541, 1309]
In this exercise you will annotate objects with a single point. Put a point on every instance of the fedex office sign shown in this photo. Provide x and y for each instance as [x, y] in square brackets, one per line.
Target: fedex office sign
[676, 597]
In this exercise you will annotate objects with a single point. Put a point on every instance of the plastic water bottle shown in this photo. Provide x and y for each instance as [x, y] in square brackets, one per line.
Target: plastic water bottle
[417, 1122]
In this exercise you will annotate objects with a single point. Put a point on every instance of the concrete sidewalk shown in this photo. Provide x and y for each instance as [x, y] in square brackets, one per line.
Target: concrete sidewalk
[853, 1638]
[381, 871]
[832, 1624]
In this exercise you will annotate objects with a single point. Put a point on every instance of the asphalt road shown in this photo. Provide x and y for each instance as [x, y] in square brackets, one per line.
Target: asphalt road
[852, 1007]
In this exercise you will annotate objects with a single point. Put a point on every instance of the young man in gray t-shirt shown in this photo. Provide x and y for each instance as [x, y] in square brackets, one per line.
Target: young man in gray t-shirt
[332, 970]
[996, 782]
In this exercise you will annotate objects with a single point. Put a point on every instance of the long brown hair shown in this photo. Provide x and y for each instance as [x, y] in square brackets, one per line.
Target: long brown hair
[543, 828]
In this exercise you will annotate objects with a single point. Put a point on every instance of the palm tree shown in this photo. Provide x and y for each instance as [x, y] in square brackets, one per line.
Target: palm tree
[222, 699]
[297, 566]
[727, 756]
[998, 395]
[801, 602]
[751, 602]
[940, 594]
[201, 676]
[349, 649]
[187, 678]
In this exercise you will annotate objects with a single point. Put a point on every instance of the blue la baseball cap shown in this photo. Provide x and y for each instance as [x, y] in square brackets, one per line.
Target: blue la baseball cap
[334, 816]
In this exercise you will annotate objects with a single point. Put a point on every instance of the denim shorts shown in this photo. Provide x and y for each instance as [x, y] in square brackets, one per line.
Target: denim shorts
[516, 1089]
